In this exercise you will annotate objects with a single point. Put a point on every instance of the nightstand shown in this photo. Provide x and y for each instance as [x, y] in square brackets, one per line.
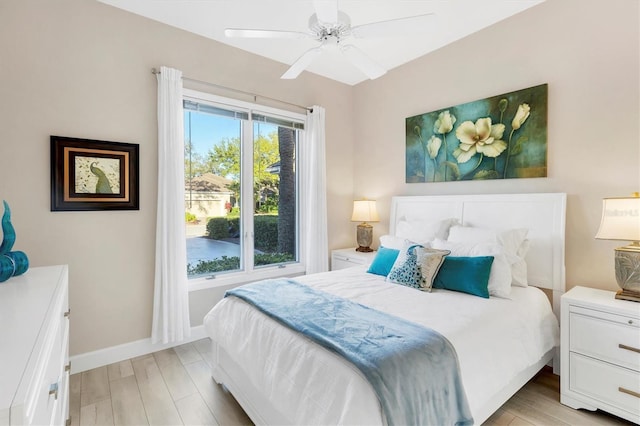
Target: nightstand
[600, 352]
[349, 257]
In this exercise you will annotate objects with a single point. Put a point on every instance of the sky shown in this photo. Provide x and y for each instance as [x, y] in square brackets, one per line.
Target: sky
[208, 130]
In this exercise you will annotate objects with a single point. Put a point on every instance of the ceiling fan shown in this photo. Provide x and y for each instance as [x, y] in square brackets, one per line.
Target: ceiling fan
[331, 27]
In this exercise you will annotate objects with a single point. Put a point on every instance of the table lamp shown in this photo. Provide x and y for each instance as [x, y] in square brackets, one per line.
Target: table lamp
[621, 221]
[364, 211]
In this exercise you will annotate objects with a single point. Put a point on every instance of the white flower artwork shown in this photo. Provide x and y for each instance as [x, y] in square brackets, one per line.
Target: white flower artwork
[500, 137]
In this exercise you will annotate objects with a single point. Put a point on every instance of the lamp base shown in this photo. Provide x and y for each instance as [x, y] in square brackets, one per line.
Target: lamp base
[633, 296]
[627, 267]
[364, 249]
[364, 237]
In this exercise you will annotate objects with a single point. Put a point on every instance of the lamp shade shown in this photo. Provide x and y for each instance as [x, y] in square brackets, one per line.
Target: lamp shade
[620, 219]
[364, 211]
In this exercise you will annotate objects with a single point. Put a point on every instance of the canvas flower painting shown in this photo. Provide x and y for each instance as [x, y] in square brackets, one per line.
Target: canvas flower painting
[500, 137]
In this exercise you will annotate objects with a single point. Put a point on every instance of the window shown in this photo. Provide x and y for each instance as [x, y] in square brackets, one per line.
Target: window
[241, 188]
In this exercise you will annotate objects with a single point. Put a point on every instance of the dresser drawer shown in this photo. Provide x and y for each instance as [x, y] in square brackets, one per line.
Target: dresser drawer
[46, 389]
[61, 412]
[607, 337]
[607, 383]
[34, 349]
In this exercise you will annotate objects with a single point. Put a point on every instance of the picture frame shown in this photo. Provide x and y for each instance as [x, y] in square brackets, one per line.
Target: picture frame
[499, 137]
[91, 174]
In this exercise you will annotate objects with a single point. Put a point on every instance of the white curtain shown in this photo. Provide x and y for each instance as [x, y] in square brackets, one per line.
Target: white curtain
[314, 194]
[171, 296]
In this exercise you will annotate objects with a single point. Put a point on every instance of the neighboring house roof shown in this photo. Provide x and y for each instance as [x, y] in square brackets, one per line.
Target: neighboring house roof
[208, 182]
[274, 168]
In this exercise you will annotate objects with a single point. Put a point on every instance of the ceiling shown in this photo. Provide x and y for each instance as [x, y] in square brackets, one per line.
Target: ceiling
[454, 19]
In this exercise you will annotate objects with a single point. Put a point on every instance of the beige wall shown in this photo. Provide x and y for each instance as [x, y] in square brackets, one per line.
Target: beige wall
[588, 53]
[80, 68]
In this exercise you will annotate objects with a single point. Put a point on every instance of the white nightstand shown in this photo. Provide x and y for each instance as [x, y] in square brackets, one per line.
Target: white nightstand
[346, 258]
[600, 353]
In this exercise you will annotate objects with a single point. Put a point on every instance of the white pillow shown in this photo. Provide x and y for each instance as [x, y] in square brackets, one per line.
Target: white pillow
[513, 241]
[500, 276]
[393, 242]
[423, 231]
[519, 266]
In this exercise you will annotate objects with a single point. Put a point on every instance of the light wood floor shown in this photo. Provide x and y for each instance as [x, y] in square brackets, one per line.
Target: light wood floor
[174, 387]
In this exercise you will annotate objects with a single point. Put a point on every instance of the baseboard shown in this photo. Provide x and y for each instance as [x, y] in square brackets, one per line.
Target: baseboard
[106, 356]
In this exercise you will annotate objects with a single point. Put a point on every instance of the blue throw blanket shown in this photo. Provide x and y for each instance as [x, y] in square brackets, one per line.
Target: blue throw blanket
[413, 370]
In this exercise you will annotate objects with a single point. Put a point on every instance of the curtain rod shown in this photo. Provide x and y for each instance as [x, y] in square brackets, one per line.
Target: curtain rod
[156, 71]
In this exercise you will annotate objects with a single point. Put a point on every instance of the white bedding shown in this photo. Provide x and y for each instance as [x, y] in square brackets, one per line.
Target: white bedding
[495, 339]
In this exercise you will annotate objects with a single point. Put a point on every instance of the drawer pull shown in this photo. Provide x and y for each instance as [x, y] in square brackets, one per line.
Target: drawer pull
[66, 314]
[629, 392]
[67, 367]
[53, 390]
[629, 348]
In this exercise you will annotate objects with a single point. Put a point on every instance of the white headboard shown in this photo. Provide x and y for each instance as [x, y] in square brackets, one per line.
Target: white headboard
[542, 214]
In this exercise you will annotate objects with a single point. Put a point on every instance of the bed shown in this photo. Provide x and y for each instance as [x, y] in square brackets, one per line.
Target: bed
[282, 377]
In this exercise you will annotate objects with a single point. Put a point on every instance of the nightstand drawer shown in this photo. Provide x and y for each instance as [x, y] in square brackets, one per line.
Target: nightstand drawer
[595, 371]
[615, 386]
[339, 263]
[613, 339]
[349, 257]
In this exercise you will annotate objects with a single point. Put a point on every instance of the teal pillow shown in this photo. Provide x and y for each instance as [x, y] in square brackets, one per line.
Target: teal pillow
[383, 262]
[465, 274]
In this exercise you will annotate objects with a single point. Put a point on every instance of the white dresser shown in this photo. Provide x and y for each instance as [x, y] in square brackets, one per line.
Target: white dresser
[34, 353]
[600, 353]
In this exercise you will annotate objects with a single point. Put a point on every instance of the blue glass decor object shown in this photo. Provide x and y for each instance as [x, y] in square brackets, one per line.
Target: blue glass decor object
[12, 263]
[8, 232]
[7, 268]
[20, 260]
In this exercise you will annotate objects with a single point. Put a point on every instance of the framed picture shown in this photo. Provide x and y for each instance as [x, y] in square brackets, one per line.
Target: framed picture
[93, 175]
[501, 137]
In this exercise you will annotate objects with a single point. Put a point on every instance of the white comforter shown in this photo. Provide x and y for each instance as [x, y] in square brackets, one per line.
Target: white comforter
[495, 339]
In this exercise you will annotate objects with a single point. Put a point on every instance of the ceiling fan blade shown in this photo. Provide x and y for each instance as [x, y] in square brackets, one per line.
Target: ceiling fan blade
[246, 33]
[326, 11]
[301, 63]
[363, 62]
[395, 27]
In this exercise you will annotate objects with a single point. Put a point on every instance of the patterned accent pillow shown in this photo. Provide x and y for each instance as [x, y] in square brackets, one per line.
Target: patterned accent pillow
[405, 270]
[429, 263]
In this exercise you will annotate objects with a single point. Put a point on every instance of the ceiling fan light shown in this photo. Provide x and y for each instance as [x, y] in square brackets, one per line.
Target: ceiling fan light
[330, 27]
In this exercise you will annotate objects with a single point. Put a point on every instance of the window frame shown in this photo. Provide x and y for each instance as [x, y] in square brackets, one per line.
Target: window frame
[249, 271]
